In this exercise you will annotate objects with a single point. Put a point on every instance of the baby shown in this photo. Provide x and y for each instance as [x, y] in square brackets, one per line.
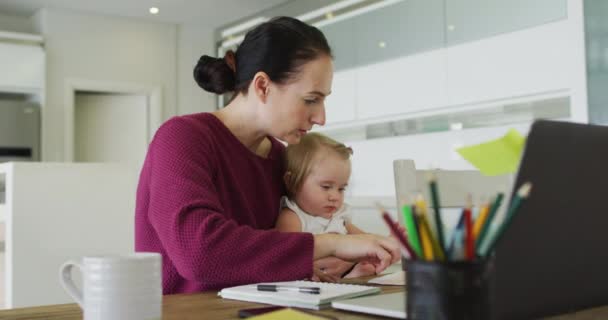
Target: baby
[317, 173]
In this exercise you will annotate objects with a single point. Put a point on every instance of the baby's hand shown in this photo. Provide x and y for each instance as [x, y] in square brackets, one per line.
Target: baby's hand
[362, 269]
[330, 269]
[320, 275]
[332, 266]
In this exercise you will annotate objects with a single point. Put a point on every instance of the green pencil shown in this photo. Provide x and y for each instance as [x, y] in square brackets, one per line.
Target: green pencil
[522, 193]
[438, 221]
[486, 226]
[411, 229]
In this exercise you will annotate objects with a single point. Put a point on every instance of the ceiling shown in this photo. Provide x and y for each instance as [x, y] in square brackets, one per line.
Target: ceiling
[211, 13]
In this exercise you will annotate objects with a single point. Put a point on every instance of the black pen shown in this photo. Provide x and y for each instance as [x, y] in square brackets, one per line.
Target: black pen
[277, 288]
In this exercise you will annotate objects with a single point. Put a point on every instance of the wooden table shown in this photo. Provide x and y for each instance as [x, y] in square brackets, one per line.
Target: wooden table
[209, 306]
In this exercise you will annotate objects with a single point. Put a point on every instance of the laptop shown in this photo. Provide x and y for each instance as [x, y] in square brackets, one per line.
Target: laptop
[552, 259]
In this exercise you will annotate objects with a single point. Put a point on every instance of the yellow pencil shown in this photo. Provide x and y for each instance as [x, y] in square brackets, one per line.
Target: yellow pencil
[427, 247]
[481, 219]
[436, 249]
[426, 234]
[422, 210]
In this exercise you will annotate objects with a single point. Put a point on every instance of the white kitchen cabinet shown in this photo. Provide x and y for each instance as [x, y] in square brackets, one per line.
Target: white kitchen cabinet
[60, 211]
[403, 85]
[526, 62]
[2, 255]
[523, 63]
[471, 20]
[22, 68]
[442, 60]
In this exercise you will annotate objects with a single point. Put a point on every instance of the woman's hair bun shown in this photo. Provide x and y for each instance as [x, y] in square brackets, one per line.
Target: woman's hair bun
[214, 75]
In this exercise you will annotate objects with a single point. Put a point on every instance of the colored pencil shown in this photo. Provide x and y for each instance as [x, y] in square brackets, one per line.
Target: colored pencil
[455, 238]
[468, 231]
[522, 193]
[411, 229]
[425, 231]
[425, 241]
[392, 225]
[437, 207]
[479, 221]
[457, 251]
[486, 225]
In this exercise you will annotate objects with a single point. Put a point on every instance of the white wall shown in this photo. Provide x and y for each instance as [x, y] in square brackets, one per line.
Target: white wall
[193, 41]
[16, 23]
[373, 159]
[102, 48]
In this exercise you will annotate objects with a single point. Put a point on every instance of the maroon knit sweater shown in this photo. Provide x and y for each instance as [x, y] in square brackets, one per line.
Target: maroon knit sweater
[205, 202]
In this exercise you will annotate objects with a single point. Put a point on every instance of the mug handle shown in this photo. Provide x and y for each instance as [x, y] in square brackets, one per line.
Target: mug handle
[65, 277]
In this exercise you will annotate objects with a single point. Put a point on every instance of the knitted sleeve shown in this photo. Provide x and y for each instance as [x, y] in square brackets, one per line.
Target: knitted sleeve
[202, 243]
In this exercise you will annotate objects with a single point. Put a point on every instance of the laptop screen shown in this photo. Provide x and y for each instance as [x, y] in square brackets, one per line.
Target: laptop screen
[552, 259]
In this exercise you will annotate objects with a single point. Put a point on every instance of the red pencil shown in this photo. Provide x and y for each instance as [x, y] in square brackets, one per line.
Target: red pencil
[400, 236]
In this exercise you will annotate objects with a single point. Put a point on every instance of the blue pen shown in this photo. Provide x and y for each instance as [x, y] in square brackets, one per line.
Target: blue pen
[277, 288]
[456, 235]
[458, 249]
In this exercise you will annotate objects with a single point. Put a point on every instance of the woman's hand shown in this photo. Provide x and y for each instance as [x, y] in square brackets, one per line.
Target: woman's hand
[380, 251]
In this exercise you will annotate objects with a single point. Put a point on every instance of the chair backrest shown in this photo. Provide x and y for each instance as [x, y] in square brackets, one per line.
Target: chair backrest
[453, 187]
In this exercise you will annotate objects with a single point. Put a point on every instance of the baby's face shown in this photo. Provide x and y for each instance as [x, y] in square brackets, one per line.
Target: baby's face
[322, 192]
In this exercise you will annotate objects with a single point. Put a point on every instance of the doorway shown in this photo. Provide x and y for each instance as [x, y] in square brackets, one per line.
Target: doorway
[110, 122]
[110, 127]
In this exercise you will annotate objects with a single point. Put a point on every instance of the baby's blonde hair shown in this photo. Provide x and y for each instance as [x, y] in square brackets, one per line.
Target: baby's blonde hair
[299, 158]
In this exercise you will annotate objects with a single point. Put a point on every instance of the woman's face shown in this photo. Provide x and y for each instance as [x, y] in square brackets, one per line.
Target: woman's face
[291, 109]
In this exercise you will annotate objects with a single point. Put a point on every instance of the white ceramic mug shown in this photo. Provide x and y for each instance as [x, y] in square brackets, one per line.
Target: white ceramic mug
[117, 287]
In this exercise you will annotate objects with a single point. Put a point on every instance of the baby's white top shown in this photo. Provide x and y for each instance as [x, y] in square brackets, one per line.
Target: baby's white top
[318, 225]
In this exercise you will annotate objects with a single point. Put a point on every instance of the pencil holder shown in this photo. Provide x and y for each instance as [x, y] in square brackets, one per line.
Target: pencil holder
[451, 290]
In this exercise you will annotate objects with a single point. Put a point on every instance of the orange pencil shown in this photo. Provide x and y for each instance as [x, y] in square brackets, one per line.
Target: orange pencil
[481, 219]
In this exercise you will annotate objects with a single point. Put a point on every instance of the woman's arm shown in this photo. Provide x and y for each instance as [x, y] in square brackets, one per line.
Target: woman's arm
[202, 243]
[288, 221]
[185, 211]
[377, 250]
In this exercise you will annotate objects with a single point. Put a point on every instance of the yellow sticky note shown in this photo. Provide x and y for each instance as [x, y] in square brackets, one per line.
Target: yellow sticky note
[290, 314]
[496, 157]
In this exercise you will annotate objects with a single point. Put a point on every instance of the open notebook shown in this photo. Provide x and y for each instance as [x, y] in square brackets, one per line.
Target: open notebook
[329, 293]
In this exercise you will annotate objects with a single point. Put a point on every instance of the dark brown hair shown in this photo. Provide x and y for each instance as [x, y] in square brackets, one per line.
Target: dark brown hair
[278, 47]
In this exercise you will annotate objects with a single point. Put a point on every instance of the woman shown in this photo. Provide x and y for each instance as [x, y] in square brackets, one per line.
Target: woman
[210, 186]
